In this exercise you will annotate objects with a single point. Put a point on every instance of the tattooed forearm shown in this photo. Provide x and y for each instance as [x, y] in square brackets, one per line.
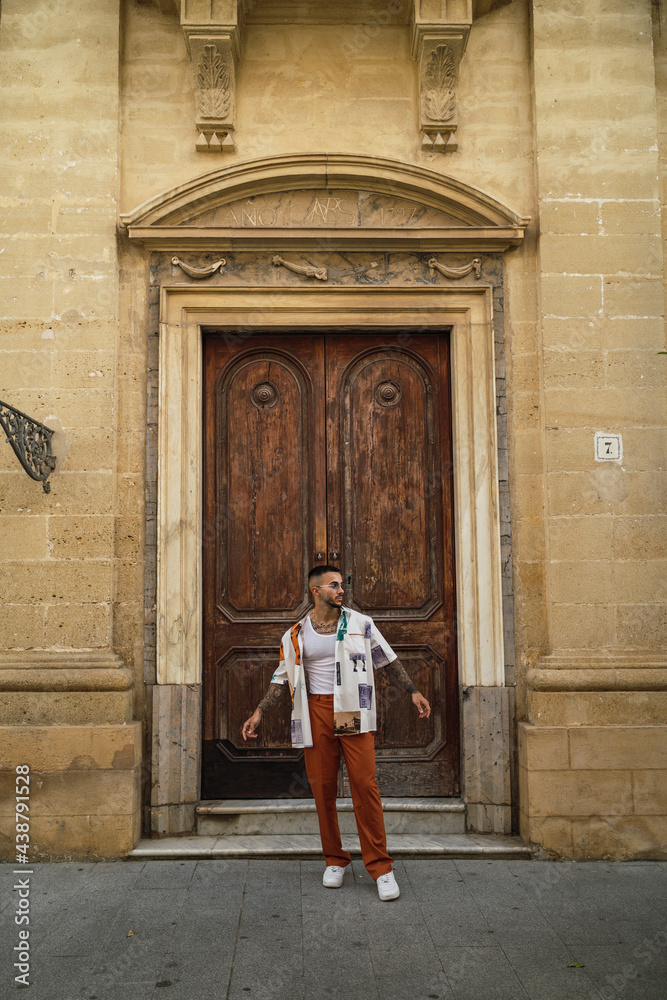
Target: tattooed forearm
[272, 697]
[399, 676]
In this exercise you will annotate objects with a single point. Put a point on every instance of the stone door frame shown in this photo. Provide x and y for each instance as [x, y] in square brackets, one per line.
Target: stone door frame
[449, 217]
[185, 310]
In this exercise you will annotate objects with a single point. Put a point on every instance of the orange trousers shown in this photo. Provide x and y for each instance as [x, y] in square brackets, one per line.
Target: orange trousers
[322, 762]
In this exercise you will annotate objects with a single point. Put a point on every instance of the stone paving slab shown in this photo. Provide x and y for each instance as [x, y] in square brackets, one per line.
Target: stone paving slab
[253, 929]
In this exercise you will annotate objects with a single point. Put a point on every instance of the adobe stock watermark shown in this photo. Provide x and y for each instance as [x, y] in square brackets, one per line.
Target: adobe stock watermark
[21, 887]
[646, 952]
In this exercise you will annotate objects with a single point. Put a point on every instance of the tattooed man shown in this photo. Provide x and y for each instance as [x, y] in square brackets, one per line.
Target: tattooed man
[327, 662]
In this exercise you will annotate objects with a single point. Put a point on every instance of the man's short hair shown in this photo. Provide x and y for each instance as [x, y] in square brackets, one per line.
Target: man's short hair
[317, 572]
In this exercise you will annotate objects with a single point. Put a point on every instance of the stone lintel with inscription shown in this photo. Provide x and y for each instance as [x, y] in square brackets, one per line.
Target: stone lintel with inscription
[329, 218]
[324, 209]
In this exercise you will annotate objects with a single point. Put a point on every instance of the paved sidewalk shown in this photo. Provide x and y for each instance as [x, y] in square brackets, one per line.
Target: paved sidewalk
[268, 930]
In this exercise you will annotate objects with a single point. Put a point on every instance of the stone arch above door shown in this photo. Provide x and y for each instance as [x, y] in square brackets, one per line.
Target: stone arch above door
[335, 200]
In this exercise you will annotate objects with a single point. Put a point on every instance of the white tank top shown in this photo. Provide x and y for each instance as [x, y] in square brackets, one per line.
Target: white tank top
[319, 655]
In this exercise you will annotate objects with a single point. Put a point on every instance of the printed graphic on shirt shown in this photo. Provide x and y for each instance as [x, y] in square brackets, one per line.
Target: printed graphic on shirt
[379, 657]
[367, 630]
[297, 731]
[342, 626]
[338, 681]
[365, 696]
[347, 723]
[355, 657]
[295, 642]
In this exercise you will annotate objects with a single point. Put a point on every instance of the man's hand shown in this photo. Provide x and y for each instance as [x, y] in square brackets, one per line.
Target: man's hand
[420, 701]
[275, 694]
[250, 725]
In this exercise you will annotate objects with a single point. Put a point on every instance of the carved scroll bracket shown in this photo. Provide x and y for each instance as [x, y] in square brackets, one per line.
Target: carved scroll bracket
[212, 30]
[440, 32]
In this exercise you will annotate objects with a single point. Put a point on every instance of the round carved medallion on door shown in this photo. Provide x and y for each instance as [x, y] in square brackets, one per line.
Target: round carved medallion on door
[264, 395]
[388, 393]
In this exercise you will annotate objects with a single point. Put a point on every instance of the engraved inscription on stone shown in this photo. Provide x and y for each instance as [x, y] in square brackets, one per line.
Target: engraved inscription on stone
[326, 209]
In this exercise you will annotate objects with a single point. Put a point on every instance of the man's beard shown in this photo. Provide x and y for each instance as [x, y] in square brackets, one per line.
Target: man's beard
[331, 601]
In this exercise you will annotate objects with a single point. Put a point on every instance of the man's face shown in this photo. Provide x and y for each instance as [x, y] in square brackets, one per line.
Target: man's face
[330, 590]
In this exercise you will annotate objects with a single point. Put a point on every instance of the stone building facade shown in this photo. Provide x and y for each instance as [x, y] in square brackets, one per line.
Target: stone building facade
[488, 175]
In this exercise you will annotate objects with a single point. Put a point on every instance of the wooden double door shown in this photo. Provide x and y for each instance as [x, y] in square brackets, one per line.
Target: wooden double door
[330, 448]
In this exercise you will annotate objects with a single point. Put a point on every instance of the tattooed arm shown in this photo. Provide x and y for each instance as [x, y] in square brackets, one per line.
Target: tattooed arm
[396, 671]
[399, 677]
[272, 697]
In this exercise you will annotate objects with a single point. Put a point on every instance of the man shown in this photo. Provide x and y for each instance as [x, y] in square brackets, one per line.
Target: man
[328, 660]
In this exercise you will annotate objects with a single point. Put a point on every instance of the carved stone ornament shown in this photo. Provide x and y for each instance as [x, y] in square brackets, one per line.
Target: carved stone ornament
[439, 38]
[308, 269]
[199, 272]
[456, 272]
[439, 85]
[213, 79]
[213, 37]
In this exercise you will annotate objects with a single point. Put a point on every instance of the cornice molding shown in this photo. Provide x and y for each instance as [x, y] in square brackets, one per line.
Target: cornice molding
[172, 220]
[64, 670]
[620, 670]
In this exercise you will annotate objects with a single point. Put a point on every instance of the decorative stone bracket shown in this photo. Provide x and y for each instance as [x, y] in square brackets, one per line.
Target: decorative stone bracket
[440, 30]
[212, 30]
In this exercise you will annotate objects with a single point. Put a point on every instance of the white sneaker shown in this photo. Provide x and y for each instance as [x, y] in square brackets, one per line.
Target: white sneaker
[387, 887]
[333, 877]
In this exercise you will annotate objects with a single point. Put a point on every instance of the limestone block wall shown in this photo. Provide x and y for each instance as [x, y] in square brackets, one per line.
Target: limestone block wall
[562, 118]
[68, 560]
[601, 301]
[594, 791]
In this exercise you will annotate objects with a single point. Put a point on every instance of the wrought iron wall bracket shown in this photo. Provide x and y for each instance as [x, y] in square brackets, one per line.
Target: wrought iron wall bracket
[31, 442]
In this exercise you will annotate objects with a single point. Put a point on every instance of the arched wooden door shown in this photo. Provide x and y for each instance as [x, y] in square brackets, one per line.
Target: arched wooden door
[335, 448]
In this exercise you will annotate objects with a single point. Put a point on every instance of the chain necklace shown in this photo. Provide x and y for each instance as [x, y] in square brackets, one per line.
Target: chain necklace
[323, 628]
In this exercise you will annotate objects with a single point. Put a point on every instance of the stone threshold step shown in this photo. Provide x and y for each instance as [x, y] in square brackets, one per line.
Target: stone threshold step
[226, 807]
[306, 847]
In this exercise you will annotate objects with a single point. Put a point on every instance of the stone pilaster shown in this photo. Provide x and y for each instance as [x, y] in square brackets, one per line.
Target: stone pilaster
[604, 683]
[176, 753]
[487, 724]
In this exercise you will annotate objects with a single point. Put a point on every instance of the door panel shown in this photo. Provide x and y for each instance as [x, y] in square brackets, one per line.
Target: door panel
[264, 496]
[388, 454]
[338, 447]
[266, 465]
[389, 506]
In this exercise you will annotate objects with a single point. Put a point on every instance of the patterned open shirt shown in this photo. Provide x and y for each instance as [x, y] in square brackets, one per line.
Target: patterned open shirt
[360, 648]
